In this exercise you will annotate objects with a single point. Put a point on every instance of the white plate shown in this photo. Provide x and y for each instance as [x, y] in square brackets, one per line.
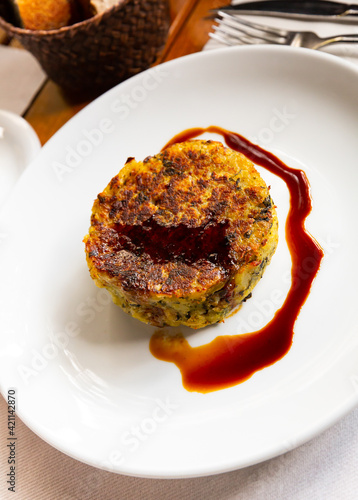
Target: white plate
[85, 379]
[19, 145]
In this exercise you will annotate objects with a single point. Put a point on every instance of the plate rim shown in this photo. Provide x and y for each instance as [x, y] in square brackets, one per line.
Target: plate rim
[340, 411]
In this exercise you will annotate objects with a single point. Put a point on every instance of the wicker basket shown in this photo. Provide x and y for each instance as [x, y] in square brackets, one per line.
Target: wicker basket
[98, 53]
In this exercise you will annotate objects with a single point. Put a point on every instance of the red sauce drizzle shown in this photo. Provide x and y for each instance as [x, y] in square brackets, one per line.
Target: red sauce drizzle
[231, 359]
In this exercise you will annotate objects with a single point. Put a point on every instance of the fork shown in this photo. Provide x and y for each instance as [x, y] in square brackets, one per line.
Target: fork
[232, 30]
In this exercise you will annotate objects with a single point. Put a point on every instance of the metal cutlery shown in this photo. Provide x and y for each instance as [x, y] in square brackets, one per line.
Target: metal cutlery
[232, 30]
[307, 9]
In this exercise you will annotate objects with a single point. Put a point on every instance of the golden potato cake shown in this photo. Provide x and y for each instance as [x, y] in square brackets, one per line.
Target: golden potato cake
[183, 237]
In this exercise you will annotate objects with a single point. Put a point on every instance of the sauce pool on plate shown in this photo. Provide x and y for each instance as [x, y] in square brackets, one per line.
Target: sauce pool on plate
[231, 359]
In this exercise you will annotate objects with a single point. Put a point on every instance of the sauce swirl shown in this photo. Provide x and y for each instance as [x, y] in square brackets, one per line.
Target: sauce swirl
[231, 359]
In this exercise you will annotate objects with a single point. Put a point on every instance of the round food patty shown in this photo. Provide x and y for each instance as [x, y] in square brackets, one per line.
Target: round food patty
[183, 237]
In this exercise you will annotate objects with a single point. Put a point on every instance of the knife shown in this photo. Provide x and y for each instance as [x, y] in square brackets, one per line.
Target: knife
[308, 9]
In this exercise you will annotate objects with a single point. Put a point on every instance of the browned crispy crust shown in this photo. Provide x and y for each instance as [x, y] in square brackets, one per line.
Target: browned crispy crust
[182, 237]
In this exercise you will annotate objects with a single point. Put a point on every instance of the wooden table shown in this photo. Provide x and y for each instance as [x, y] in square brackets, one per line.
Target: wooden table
[188, 33]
